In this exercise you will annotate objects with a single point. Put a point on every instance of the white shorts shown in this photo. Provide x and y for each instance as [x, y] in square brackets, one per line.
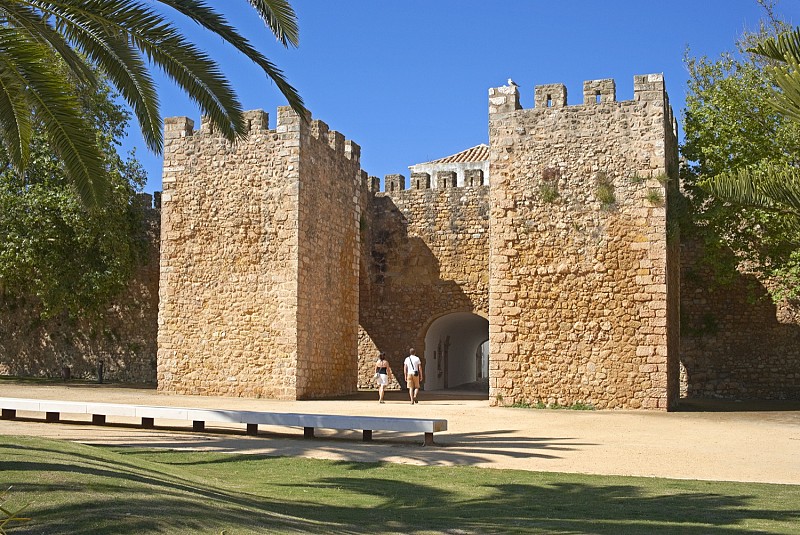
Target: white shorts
[382, 379]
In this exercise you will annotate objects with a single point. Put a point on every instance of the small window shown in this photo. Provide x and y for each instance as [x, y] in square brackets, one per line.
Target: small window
[549, 101]
[597, 98]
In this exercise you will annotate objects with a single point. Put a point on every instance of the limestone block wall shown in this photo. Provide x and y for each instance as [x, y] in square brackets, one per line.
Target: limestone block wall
[259, 256]
[581, 280]
[425, 255]
[228, 295]
[123, 337]
[328, 254]
[735, 343]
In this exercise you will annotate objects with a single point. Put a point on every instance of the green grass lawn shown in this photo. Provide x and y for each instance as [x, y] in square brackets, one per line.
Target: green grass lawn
[82, 489]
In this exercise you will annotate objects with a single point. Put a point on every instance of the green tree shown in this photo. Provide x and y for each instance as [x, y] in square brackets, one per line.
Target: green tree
[56, 254]
[741, 155]
[774, 187]
[123, 38]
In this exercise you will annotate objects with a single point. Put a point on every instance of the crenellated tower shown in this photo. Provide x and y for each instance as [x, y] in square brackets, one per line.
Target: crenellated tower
[583, 298]
[259, 260]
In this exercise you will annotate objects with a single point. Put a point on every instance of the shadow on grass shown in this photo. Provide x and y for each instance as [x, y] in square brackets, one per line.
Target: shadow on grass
[460, 448]
[79, 493]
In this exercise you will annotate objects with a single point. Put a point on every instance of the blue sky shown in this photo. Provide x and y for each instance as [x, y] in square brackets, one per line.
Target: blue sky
[408, 80]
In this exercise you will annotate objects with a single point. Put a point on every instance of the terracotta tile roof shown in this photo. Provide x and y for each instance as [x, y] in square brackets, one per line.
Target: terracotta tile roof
[478, 153]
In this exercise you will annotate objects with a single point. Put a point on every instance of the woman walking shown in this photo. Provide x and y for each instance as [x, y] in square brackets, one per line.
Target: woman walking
[383, 374]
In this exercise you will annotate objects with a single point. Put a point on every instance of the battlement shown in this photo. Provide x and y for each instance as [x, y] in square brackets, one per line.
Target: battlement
[646, 87]
[289, 124]
[146, 201]
[182, 127]
[421, 180]
[335, 140]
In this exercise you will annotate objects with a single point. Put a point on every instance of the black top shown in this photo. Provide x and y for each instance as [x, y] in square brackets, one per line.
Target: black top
[382, 371]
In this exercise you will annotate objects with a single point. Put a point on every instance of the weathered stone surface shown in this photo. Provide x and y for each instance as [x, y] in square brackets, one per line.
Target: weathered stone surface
[424, 255]
[285, 271]
[576, 254]
[735, 343]
[259, 281]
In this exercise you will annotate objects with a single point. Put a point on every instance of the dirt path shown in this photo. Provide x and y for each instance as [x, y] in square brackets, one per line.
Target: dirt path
[751, 444]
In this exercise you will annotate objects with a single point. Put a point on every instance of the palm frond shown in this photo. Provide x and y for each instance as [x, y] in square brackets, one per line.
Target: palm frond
[786, 45]
[203, 82]
[111, 49]
[15, 113]
[50, 95]
[773, 189]
[163, 44]
[784, 49]
[24, 18]
[42, 71]
[279, 17]
[787, 78]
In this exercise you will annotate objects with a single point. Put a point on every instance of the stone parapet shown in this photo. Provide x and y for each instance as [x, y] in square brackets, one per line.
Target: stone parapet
[581, 289]
[239, 223]
[599, 91]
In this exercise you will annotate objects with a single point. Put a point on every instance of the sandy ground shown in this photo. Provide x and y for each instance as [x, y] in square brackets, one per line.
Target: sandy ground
[711, 441]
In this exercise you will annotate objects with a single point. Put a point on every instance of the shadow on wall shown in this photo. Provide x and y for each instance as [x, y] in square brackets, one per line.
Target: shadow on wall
[124, 336]
[401, 289]
[735, 343]
[124, 339]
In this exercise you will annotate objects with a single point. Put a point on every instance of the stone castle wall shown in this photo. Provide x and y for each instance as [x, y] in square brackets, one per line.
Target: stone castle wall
[426, 256]
[735, 343]
[227, 314]
[284, 270]
[123, 337]
[258, 283]
[328, 253]
[579, 295]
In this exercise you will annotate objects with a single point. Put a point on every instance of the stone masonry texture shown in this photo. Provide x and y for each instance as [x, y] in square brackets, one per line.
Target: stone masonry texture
[284, 271]
[259, 290]
[123, 337]
[735, 343]
[580, 291]
[427, 257]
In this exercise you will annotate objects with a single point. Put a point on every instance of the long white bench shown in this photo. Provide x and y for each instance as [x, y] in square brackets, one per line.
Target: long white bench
[99, 411]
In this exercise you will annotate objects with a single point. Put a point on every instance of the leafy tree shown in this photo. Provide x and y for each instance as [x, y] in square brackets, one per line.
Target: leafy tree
[742, 156]
[774, 188]
[121, 37]
[70, 259]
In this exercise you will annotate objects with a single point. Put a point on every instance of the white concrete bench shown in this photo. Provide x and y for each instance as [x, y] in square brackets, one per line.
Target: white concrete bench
[99, 411]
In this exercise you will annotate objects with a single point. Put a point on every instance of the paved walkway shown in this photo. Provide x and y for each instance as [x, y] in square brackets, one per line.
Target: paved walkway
[733, 442]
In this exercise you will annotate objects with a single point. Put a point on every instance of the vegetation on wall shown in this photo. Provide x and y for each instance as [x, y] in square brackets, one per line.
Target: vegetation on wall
[604, 190]
[548, 192]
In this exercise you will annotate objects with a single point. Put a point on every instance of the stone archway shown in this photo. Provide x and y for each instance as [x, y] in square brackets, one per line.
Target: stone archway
[457, 351]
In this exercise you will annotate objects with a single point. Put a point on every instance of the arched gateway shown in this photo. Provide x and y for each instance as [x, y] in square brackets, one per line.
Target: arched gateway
[456, 352]
[284, 271]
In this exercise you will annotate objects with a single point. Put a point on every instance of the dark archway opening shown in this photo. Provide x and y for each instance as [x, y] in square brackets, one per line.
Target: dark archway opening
[457, 353]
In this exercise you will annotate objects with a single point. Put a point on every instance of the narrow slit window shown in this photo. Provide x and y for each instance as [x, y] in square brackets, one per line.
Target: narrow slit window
[597, 98]
[549, 101]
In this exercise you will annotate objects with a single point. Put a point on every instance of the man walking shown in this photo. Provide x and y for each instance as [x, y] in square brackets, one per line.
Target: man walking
[412, 369]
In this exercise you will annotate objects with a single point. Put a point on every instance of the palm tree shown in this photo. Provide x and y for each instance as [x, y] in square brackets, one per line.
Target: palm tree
[773, 188]
[46, 48]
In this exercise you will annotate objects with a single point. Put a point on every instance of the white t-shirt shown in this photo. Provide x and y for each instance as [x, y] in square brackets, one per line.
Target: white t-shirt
[412, 363]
